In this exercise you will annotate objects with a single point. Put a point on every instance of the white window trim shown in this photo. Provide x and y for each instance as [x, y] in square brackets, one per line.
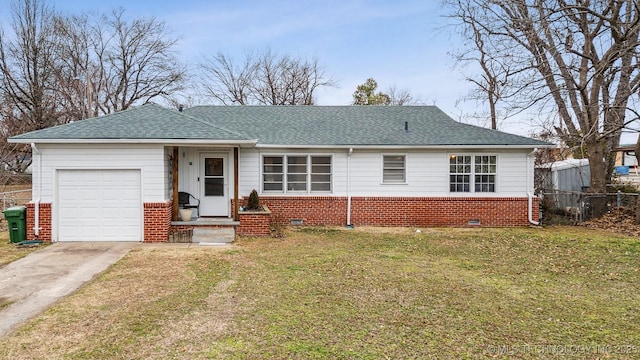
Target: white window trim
[472, 178]
[406, 169]
[285, 174]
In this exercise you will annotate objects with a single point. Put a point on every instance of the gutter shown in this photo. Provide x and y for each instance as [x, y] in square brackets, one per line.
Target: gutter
[135, 141]
[349, 187]
[38, 194]
[530, 206]
[529, 194]
[392, 147]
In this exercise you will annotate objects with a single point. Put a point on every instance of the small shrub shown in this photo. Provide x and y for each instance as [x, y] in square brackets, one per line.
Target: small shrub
[254, 201]
[277, 227]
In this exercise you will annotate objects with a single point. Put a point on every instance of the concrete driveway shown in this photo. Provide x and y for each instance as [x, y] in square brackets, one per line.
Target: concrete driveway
[35, 282]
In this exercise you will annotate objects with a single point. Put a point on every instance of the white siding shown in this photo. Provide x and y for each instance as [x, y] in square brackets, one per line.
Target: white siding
[513, 172]
[427, 172]
[249, 172]
[150, 159]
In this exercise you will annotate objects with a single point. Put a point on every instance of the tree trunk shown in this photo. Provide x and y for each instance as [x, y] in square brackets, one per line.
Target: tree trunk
[638, 210]
[598, 166]
[637, 151]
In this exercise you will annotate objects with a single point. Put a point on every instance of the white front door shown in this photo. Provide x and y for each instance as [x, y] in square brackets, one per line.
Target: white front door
[214, 187]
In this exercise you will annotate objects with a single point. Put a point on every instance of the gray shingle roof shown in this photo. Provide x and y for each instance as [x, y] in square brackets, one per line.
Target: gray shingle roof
[288, 125]
[352, 125]
[143, 122]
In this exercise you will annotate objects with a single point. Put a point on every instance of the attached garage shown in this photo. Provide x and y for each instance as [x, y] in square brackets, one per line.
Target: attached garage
[99, 205]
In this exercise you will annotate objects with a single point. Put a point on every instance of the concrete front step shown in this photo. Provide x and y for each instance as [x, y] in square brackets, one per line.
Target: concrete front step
[219, 235]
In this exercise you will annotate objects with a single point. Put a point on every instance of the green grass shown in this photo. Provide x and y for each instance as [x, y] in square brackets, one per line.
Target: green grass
[353, 294]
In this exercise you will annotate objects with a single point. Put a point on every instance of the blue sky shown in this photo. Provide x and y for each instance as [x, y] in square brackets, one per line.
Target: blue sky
[402, 43]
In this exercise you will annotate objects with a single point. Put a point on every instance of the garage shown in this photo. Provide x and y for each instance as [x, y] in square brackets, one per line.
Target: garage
[99, 205]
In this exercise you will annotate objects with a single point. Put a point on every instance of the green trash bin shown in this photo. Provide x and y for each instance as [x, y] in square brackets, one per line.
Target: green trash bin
[17, 220]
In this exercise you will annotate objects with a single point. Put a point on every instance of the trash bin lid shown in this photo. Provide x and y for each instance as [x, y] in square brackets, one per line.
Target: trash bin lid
[15, 211]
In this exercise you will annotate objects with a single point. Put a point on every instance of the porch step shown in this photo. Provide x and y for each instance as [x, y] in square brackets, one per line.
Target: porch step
[220, 235]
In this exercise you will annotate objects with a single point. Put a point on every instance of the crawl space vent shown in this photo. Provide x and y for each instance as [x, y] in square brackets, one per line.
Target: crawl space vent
[297, 222]
[474, 222]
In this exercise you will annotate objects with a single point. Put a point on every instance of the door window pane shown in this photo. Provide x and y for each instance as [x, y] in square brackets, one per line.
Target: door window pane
[214, 186]
[213, 167]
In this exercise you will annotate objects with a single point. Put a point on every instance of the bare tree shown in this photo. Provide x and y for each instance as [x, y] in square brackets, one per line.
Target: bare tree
[55, 69]
[399, 97]
[28, 99]
[73, 63]
[265, 79]
[27, 64]
[227, 82]
[490, 84]
[136, 61]
[108, 64]
[579, 59]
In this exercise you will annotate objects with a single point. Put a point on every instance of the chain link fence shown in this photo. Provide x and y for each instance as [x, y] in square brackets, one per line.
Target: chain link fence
[569, 207]
[12, 198]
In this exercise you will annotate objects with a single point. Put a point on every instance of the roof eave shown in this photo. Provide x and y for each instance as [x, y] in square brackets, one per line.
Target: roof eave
[133, 141]
[391, 147]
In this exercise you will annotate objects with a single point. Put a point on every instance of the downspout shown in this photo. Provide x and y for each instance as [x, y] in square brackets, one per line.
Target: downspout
[349, 187]
[529, 194]
[38, 193]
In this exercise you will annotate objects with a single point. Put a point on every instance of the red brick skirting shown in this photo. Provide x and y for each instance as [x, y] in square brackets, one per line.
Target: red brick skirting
[157, 221]
[44, 222]
[313, 210]
[402, 211]
[328, 210]
[254, 223]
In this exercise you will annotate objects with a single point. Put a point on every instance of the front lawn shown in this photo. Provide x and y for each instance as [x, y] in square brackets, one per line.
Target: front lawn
[356, 294]
[10, 252]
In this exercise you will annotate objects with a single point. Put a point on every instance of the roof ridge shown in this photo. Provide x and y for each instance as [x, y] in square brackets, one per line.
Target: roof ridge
[212, 125]
[496, 130]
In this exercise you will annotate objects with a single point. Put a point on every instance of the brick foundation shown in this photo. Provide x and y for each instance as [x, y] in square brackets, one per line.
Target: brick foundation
[328, 210]
[157, 221]
[44, 222]
[253, 223]
[402, 211]
[312, 210]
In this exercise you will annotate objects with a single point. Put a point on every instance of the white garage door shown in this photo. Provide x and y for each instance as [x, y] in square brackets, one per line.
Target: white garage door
[99, 205]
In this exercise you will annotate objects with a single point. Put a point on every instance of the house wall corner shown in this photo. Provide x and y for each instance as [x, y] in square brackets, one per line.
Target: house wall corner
[157, 221]
[44, 222]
